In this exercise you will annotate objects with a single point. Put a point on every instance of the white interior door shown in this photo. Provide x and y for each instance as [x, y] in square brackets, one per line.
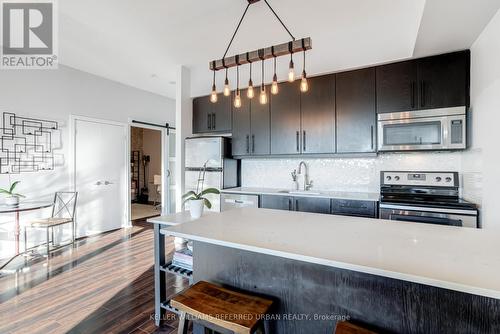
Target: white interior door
[100, 176]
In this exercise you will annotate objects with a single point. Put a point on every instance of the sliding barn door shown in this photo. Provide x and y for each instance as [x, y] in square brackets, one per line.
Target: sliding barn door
[100, 176]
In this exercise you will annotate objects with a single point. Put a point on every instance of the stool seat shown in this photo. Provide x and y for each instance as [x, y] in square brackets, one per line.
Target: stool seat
[231, 310]
[346, 327]
[47, 222]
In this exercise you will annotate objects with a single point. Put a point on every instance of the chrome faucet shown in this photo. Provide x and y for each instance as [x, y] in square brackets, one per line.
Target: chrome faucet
[307, 183]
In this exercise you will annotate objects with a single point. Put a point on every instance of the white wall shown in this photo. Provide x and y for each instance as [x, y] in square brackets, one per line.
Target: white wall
[54, 95]
[484, 157]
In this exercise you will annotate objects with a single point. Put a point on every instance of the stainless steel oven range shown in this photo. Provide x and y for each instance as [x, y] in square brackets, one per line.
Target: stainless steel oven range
[425, 197]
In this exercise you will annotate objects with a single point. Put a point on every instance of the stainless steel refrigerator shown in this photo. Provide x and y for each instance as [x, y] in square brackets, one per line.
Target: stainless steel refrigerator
[210, 156]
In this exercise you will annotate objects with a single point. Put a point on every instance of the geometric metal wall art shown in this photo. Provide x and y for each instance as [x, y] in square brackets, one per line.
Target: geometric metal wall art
[26, 144]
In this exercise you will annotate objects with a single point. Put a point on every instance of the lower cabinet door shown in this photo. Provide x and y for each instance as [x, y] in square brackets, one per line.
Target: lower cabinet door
[276, 202]
[312, 204]
[354, 208]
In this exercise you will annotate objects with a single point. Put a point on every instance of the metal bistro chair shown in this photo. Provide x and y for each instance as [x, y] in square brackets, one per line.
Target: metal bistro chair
[63, 212]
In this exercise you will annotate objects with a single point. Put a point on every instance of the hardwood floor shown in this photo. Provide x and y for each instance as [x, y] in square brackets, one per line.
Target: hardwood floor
[104, 284]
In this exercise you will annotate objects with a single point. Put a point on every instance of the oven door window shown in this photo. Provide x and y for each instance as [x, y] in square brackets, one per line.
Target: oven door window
[427, 220]
[418, 133]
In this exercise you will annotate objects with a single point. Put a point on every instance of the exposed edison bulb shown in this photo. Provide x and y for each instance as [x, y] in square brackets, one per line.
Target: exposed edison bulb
[263, 95]
[227, 90]
[213, 95]
[250, 90]
[291, 72]
[274, 85]
[304, 86]
[237, 99]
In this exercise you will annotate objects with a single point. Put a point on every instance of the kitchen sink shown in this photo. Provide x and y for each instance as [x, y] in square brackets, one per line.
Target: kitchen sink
[299, 192]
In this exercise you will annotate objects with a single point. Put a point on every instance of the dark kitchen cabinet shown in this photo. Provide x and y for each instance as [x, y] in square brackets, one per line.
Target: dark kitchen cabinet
[355, 208]
[312, 204]
[211, 117]
[318, 116]
[397, 87]
[285, 119]
[444, 80]
[356, 111]
[276, 202]
[202, 114]
[260, 128]
[251, 129]
[241, 127]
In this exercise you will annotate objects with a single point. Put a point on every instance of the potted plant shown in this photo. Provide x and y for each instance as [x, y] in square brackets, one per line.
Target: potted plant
[12, 197]
[197, 201]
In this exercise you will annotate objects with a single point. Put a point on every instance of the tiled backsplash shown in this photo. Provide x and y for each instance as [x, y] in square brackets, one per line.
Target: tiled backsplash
[348, 174]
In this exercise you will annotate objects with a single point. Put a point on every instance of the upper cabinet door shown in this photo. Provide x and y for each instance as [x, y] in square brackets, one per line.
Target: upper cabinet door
[202, 114]
[356, 115]
[241, 127]
[397, 87]
[444, 80]
[221, 119]
[260, 128]
[318, 116]
[285, 119]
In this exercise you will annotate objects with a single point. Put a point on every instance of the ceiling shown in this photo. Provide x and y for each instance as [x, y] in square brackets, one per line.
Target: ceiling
[142, 43]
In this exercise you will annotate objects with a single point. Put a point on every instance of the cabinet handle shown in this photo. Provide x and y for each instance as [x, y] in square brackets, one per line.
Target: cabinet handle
[209, 121]
[296, 205]
[304, 141]
[213, 122]
[289, 204]
[422, 94]
[253, 143]
[248, 144]
[371, 135]
[298, 141]
[413, 94]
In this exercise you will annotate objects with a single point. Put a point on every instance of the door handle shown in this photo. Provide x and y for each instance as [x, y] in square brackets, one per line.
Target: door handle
[298, 141]
[304, 140]
[253, 143]
[422, 94]
[214, 122]
[107, 183]
[371, 135]
[248, 144]
[413, 94]
[98, 183]
[209, 123]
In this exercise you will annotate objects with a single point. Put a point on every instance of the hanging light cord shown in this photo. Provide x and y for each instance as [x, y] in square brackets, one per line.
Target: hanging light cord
[241, 20]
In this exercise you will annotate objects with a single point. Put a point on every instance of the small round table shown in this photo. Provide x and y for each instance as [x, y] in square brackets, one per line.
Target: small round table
[23, 206]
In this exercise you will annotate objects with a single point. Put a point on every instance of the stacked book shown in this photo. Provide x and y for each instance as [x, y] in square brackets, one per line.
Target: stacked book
[184, 259]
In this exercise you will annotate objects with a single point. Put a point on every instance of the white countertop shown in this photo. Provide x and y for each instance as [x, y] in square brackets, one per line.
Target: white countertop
[364, 196]
[174, 219]
[461, 259]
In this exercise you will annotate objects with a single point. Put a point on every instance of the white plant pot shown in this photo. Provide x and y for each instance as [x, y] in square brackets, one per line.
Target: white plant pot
[12, 200]
[196, 208]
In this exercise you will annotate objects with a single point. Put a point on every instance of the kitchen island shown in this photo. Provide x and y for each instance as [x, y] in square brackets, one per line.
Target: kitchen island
[391, 276]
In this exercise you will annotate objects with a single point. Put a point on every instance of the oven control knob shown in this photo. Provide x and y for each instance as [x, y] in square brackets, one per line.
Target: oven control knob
[448, 179]
[396, 178]
[438, 178]
[388, 178]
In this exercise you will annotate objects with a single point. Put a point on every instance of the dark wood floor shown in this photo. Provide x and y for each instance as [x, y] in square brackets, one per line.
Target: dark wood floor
[105, 284]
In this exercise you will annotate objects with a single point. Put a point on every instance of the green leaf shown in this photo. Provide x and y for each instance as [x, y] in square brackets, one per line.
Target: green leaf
[13, 186]
[210, 191]
[3, 191]
[207, 203]
[189, 194]
[19, 195]
[188, 199]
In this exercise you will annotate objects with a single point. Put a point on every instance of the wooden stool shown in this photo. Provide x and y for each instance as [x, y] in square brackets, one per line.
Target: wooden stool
[345, 327]
[227, 309]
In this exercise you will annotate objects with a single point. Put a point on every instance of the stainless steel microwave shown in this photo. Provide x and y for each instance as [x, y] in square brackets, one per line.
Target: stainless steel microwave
[435, 129]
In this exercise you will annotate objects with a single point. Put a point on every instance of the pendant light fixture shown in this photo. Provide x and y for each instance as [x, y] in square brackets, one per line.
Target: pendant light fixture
[291, 70]
[250, 90]
[274, 85]
[262, 54]
[227, 90]
[263, 94]
[237, 97]
[304, 86]
[213, 95]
